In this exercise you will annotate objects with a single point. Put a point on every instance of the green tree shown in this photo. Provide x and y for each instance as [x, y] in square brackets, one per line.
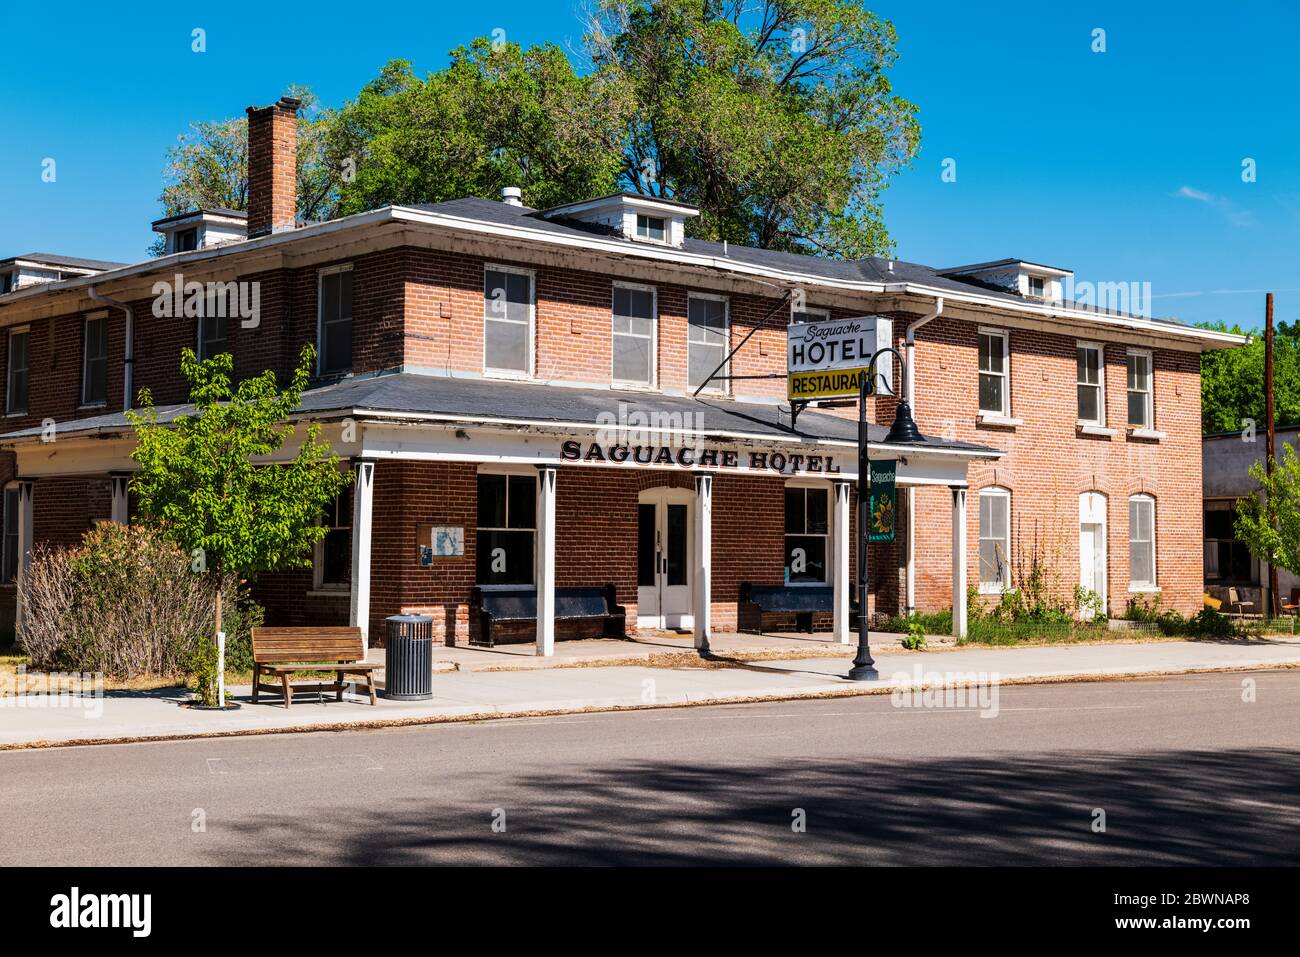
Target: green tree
[1269, 521]
[1232, 381]
[776, 118]
[498, 115]
[208, 166]
[199, 481]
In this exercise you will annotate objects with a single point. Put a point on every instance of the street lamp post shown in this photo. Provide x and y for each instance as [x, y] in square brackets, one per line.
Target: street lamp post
[902, 432]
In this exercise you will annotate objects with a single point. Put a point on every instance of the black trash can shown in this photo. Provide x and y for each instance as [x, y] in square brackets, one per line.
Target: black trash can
[408, 658]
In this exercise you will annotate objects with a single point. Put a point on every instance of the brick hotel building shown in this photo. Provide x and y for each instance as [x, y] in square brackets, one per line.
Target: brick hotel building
[515, 391]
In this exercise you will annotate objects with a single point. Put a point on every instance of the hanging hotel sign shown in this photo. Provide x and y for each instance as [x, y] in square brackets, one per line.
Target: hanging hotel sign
[884, 500]
[827, 359]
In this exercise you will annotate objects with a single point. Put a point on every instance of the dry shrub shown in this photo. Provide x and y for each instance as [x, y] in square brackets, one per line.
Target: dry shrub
[124, 603]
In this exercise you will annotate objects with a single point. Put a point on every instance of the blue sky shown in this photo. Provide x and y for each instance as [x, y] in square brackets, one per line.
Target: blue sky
[1125, 166]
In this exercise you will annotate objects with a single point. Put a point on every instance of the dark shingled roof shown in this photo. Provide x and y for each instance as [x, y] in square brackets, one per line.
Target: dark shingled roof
[72, 262]
[474, 398]
[871, 269]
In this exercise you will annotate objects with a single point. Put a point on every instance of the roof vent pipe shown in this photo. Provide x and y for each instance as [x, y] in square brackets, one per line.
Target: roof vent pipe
[512, 196]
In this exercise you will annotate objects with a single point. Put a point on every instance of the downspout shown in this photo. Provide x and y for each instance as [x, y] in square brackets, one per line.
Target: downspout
[128, 361]
[909, 394]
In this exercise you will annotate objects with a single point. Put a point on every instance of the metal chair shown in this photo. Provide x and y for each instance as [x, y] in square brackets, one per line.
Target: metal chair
[1236, 602]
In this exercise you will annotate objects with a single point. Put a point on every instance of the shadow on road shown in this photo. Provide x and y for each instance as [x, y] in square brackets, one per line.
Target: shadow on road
[1170, 807]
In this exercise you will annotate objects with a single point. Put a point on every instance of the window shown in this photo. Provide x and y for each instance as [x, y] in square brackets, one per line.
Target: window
[1227, 560]
[706, 341]
[634, 335]
[995, 540]
[1091, 388]
[650, 227]
[1141, 543]
[212, 336]
[94, 367]
[806, 529]
[1036, 286]
[993, 372]
[507, 320]
[810, 314]
[9, 571]
[1139, 390]
[16, 393]
[335, 332]
[333, 564]
[7, 283]
[187, 240]
[507, 527]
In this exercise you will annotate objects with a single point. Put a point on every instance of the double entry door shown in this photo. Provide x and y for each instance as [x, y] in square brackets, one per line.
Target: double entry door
[664, 549]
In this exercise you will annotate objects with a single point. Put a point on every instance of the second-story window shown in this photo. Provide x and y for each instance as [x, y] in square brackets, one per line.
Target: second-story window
[1091, 389]
[810, 314]
[335, 333]
[94, 363]
[995, 390]
[508, 320]
[212, 336]
[650, 227]
[706, 340]
[634, 335]
[1140, 414]
[16, 392]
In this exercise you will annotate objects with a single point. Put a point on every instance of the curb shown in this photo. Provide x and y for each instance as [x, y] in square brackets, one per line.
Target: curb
[457, 714]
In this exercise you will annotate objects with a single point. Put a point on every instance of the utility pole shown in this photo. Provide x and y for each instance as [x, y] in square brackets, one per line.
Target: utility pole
[1270, 463]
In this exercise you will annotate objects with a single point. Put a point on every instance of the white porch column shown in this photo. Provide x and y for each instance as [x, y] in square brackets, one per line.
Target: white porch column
[363, 498]
[703, 559]
[120, 513]
[840, 541]
[25, 490]
[909, 604]
[545, 567]
[959, 561]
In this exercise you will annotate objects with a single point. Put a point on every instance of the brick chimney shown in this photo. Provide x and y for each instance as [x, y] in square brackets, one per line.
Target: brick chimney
[273, 167]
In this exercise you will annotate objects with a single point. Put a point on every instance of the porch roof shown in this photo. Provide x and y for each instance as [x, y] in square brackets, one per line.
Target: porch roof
[415, 396]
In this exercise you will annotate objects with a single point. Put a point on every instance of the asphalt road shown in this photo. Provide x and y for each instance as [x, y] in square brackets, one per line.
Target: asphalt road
[1185, 771]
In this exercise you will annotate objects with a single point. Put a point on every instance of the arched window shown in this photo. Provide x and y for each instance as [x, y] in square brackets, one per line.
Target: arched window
[1141, 543]
[995, 540]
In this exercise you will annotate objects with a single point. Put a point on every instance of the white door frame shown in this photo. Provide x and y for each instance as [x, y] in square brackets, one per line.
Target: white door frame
[677, 613]
[1092, 511]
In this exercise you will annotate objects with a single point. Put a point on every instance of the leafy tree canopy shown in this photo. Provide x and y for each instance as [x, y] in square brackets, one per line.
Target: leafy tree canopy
[775, 117]
[198, 479]
[1232, 381]
[1269, 521]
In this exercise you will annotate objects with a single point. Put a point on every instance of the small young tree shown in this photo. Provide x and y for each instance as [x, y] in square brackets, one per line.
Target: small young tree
[198, 480]
[1269, 521]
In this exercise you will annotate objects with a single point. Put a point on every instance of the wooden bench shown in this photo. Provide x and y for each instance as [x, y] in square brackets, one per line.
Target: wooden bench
[583, 603]
[282, 651]
[802, 601]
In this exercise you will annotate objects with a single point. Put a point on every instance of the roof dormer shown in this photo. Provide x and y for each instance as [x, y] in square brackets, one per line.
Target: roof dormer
[644, 219]
[201, 229]
[1031, 280]
[19, 272]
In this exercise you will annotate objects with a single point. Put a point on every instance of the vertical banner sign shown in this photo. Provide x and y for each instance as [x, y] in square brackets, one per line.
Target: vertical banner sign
[884, 501]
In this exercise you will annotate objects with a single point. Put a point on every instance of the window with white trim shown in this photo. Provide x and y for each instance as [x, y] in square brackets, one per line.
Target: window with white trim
[995, 540]
[1036, 286]
[212, 336]
[1140, 411]
[994, 388]
[335, 321]
[1141, 542]
[9, 561]
[654, 228]
[507, 529]
[810, 314]
[332, 563]
[16, 386]
[706, 340]
[508, 320]
[807, 533]
[94, 364]
[1089, 383]
[634, 335]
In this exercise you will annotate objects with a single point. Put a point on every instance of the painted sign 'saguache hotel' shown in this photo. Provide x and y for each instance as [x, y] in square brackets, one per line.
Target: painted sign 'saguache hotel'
[515, 391]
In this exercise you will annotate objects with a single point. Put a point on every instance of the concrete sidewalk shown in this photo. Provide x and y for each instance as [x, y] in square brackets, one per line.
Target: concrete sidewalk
[40, 720]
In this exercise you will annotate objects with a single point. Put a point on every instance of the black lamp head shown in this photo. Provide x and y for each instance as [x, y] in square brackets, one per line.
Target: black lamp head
[904, 430]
